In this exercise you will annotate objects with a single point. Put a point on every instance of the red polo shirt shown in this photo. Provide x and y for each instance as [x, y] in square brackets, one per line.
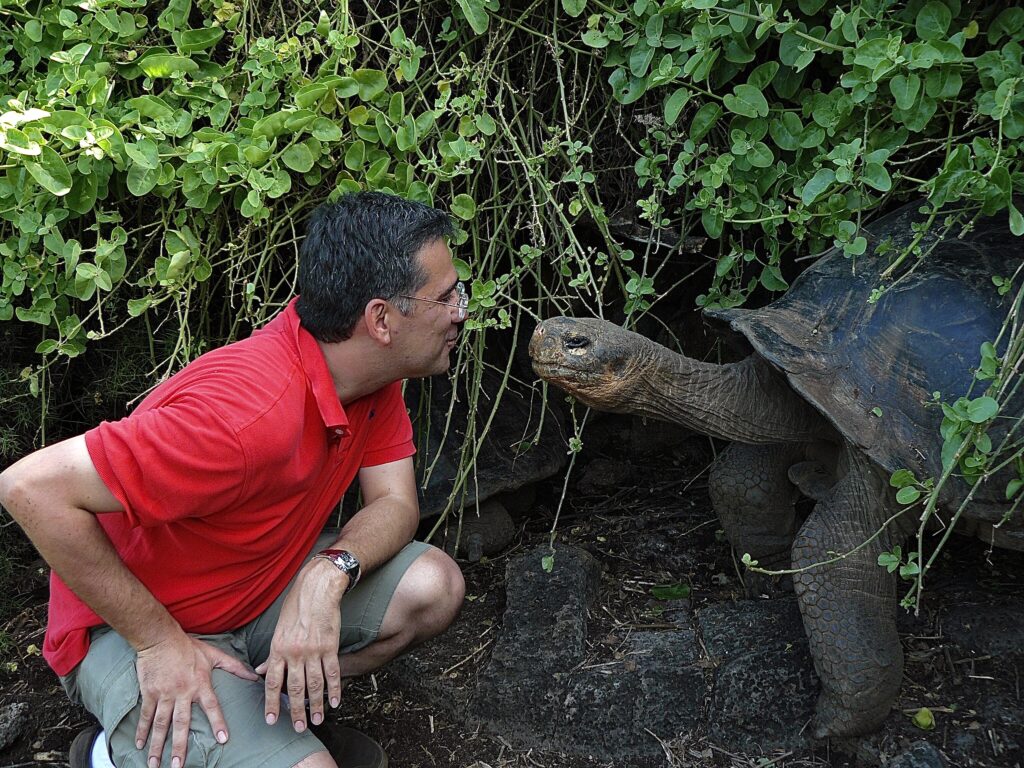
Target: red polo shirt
[228, 471]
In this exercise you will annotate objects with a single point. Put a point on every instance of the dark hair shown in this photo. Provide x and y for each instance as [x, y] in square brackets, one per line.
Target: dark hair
[360, 248]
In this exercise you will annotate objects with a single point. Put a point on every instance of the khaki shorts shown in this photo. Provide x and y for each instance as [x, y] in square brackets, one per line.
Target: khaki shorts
[106, 683]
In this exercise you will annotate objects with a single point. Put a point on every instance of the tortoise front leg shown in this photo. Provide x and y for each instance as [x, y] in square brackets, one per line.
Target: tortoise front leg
[754, 498]
[849, 607]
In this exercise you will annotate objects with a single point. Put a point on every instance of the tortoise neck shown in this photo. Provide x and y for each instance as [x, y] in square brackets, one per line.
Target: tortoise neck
[748, 402]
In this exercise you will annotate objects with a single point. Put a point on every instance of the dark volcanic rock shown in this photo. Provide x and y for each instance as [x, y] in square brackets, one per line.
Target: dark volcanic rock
[535, 690]
[765, 687]
[542, 639]
[921, 754]
[14, 721]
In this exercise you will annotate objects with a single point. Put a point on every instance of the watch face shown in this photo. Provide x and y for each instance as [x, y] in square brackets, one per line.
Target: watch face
[345, 561]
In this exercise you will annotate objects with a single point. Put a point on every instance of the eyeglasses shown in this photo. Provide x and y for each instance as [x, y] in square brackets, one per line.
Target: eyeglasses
[460, 304]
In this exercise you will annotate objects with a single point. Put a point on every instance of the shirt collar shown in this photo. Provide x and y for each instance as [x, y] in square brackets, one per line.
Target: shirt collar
[311, 358]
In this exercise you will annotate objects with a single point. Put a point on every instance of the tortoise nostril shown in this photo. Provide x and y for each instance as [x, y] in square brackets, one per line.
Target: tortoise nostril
[577, 342]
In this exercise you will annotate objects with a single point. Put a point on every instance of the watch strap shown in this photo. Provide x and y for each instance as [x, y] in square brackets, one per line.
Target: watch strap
[345, 562]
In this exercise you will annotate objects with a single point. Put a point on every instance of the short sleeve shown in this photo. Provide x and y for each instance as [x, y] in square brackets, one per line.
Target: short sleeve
[170, 462]
[390, 435]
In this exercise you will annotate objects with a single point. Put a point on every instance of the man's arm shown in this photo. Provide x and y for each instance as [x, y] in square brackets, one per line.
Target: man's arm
[304, 650]
[55, 495]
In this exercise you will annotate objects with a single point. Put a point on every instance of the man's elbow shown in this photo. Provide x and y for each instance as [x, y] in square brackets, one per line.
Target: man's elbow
[11, 487]
[19, 485]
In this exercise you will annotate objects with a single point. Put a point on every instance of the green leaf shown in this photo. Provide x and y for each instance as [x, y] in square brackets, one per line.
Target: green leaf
[746, 100]
[933, 21]
[476, 14]
[818, 185]
[396, 108]
[485, 123]
[309, 95]
[548, 563]
[82, 196]
[1016, 221]
[574, 7]
[890, 560]
[876, 176]
[372, 83]
[144, 152]
[405, 135]
[905, 90]
[902, 478]
[175, 14]
[141, 180]
[50, 172]
[908, 495]
[34, 30]
[760, 155]
[355, 155]
[298, 158]
[1013, 487]
[924, 719]
[677, 591]
[462, 269]
[152, 107]
[786, 131]
[271, 125]
[325, 129]
[674, 105]
[464, 207]
[982, 409]
[377, 169]
[772, 279]
[167, 65]
[192, 40]
[704, 121]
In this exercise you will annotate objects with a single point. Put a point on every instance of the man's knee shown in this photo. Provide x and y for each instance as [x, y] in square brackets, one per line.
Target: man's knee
[317, 760]
[430, 593]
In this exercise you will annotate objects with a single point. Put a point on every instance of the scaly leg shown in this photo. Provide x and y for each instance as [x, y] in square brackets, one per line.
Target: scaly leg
[754, 498]
[849, 607]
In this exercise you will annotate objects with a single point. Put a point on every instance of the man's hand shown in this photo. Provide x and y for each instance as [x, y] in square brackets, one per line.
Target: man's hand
[173, 674]
[304, 650]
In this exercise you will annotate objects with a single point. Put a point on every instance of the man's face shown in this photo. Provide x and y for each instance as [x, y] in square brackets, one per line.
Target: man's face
[426, 336]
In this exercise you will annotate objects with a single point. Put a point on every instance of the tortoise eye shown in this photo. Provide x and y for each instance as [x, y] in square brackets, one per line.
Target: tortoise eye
[577, 342]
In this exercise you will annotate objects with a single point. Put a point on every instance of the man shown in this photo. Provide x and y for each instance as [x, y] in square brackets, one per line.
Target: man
[186, 539]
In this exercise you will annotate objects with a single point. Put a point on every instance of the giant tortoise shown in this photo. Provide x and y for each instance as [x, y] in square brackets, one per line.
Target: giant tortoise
[841, 385]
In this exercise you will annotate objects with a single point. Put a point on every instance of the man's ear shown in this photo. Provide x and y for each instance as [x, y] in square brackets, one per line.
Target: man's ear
[377, 317]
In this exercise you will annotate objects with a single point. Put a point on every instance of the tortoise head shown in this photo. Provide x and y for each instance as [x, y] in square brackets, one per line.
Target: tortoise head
[595, 361]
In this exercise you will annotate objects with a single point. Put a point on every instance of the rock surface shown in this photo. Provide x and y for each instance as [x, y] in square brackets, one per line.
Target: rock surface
[537, 688]
[765, 687]
[920, 755]
[14, 722]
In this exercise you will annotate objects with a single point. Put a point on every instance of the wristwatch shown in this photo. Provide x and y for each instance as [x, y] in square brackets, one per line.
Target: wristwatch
[345, 561]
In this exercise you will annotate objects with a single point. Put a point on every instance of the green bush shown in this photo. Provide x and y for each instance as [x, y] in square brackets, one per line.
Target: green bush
[159, 160]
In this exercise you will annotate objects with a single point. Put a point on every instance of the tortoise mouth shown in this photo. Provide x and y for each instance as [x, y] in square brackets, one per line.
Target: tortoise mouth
[559, 371]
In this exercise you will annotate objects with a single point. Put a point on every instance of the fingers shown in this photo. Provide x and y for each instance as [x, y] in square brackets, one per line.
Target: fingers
[229, 663]
[297, 695]
[315, 690]
[211, 706]
[145, 721]
[158, 733]
[332, 668]
[179, 731]
[274, 671]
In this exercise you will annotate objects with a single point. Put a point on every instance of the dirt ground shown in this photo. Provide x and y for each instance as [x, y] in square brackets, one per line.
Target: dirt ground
[623, 514]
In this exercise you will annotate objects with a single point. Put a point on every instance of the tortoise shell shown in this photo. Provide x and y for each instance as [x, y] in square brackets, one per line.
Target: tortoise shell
[871, 368]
